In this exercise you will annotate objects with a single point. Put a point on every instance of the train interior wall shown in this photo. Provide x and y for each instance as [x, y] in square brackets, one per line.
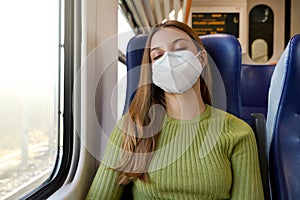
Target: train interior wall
[295, 16]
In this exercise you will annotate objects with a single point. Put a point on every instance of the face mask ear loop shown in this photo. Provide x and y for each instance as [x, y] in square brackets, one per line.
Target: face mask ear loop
[198, 53]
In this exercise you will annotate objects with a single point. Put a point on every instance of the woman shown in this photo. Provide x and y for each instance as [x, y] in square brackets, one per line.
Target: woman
[172, 144]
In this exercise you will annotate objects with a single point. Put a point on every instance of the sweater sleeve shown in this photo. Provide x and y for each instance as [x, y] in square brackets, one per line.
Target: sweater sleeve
[105, 185]
[245, 165]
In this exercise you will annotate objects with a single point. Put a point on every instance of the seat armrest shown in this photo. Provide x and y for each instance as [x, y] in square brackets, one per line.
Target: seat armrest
[258, 124]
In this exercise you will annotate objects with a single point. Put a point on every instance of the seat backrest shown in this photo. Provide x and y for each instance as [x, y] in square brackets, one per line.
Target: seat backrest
[283, 124]
[254, 87]
[134, 55]
[224, 49]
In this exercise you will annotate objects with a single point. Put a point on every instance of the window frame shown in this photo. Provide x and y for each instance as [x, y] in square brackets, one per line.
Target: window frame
[64, 155]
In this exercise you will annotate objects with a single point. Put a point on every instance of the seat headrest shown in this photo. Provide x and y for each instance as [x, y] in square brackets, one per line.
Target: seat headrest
[134, 56]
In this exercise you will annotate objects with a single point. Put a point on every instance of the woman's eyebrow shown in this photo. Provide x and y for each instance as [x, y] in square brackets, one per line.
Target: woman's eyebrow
[178, 39]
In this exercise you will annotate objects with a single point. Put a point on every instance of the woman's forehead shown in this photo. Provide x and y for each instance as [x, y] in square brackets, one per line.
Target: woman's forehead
[168, 35]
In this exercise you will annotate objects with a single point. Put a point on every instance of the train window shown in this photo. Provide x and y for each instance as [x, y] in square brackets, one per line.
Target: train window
[30, 94]
[125, 33]
[261, 26]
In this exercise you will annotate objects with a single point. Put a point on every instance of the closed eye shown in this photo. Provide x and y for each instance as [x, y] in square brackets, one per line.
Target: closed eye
[180, 49]
[156, 57]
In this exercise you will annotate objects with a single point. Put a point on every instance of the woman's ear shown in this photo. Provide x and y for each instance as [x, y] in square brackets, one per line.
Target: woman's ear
[203, 57]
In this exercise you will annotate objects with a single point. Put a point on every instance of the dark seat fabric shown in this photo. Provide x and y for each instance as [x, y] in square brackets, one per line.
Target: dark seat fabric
[225, 51]
[283, 124]
[134, 55]
[254, 86]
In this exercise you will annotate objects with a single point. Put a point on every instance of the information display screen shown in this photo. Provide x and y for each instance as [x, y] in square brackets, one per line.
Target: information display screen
[210, 23]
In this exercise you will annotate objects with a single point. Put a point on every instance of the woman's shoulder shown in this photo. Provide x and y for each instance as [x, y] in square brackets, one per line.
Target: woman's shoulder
[232, 124]
[234, 121]
[239, 130]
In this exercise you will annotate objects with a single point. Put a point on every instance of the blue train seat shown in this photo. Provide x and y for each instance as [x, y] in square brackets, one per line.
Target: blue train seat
[254, 86]
[283, 124]
[225, 51]
[134, 55]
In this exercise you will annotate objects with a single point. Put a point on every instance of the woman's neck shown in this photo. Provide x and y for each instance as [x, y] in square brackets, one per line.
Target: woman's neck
[185, 106]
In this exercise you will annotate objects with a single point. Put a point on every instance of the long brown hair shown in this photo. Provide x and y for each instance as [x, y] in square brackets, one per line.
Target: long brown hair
[138, 140]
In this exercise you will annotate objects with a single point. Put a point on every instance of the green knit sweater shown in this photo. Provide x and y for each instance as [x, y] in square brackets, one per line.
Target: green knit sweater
[213, 156]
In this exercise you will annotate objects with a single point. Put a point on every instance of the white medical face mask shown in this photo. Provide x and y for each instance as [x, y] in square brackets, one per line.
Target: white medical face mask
[176, 72]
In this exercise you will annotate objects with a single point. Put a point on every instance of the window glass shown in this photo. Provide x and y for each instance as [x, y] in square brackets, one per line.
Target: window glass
[125, 32]
[29, 94]
[261, 28]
